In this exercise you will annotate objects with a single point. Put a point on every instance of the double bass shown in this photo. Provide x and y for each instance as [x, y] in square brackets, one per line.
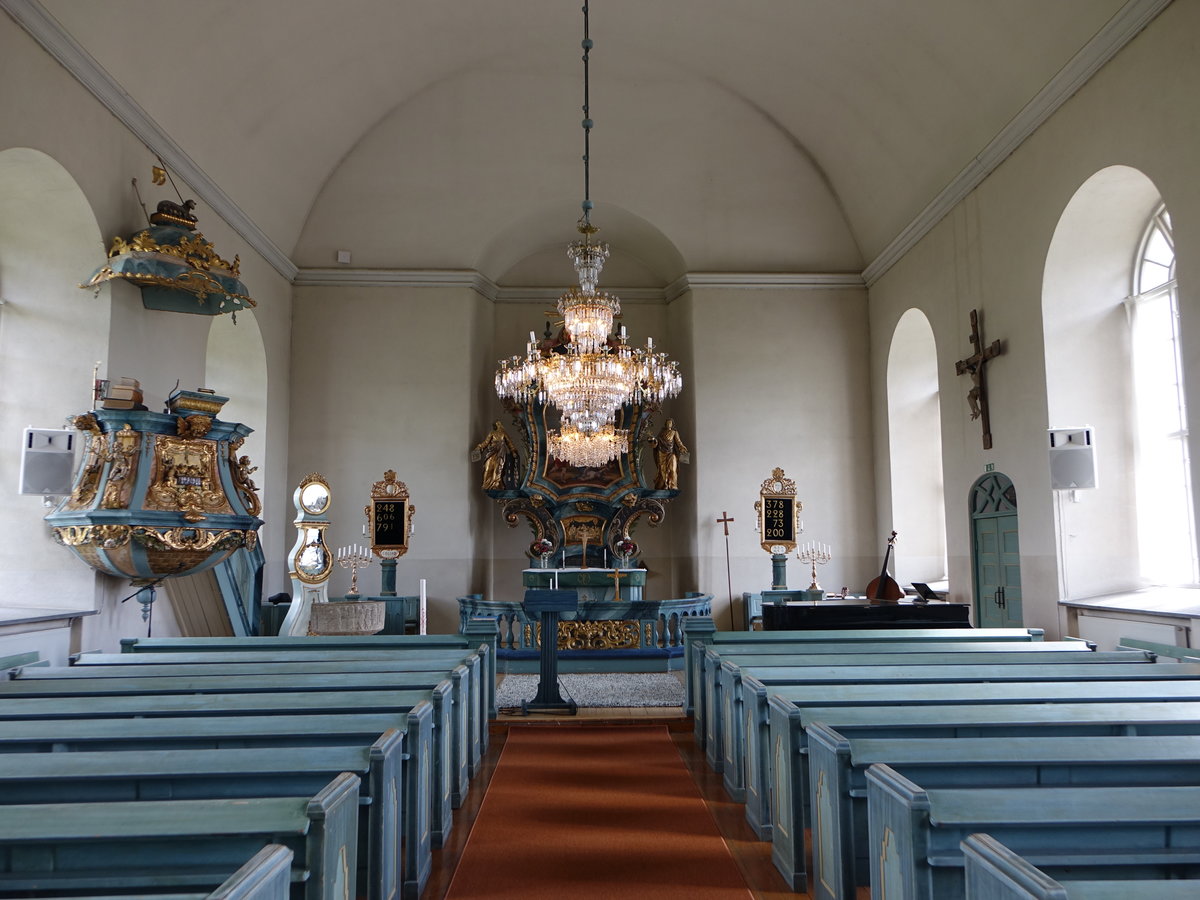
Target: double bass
[885, 589]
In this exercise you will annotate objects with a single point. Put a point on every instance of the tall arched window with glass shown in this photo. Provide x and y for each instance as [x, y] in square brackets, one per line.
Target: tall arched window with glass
[1166, 526]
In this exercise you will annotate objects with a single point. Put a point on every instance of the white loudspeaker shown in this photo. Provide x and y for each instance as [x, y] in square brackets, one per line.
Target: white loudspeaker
[47, 461]
[1072, 458]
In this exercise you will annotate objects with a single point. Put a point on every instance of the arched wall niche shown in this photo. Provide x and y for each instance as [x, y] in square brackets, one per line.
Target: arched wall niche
[51, 335]
[236, 367]
[915, 451]
[1087, 278]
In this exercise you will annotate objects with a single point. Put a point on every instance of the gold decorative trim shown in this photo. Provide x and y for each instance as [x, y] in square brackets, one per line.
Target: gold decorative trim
[610, 634]
[778, 484]
[193, 539]
[240, 471]
[104, 537]
[123, 456]
[195, 251]
[184, 478]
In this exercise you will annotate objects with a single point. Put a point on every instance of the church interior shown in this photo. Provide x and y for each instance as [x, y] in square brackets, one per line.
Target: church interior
[915, 273]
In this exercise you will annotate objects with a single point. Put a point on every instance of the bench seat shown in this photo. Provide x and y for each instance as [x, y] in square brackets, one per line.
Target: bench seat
[1092, 832]
[993, 872]
[29, 778]
[265, 735]
[838, 775]
[788, 738]
[175, 844]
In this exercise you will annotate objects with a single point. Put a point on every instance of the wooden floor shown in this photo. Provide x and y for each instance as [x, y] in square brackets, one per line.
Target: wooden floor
[752, 856]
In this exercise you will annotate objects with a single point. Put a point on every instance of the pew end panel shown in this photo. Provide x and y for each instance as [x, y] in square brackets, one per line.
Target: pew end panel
[784, 815]
[993, 872]
[755, 724]
[265, 876]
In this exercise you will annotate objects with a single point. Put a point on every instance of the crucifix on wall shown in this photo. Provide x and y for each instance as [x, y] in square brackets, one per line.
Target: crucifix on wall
[973, 364]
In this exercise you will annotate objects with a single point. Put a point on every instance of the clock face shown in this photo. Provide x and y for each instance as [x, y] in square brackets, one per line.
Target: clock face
[314, 497]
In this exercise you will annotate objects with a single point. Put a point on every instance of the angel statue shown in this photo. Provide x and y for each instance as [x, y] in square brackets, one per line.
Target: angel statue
[668, 451]
[495, 450]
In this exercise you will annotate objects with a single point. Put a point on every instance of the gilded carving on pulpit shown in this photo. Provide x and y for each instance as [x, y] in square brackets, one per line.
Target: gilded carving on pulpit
[669, 451]
[495, 450]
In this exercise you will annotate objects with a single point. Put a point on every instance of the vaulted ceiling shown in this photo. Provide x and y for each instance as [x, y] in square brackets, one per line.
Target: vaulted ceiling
[757, 136]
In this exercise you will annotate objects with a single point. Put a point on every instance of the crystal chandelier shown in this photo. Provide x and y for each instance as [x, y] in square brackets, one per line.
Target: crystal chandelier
[596, 372]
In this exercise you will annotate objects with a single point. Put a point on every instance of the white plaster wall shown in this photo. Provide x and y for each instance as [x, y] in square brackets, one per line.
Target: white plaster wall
[990, 252]
[382, 380]
[780, 381]
[46, 109]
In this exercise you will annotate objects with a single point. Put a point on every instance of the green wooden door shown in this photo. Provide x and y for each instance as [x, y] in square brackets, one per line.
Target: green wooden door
[997, 553]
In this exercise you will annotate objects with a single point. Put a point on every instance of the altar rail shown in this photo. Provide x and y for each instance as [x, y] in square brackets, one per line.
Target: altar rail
[602, 636]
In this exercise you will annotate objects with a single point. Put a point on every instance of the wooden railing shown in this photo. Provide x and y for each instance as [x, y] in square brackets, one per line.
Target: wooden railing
[601, 626]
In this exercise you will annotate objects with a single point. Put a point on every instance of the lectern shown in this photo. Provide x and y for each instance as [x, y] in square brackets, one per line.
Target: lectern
[547, 605]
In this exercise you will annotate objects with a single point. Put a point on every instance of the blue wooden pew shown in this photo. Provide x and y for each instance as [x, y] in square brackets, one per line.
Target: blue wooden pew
[727, 734]
[315, 660]
[180, 844]
[475, 632]
[89, 777]
[789, 752]
[700, 633]
[723, 696]
[265, 876]
[838, 775]
[1092, 832]
[938, 694]
[262, 706]
[993, 872]
[261, 736]
[709, 661]
[463, 715]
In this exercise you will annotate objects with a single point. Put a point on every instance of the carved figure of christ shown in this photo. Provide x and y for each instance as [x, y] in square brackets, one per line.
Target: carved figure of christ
[974, 365]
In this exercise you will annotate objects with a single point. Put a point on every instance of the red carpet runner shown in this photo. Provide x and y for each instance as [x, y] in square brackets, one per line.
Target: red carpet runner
[594, 812]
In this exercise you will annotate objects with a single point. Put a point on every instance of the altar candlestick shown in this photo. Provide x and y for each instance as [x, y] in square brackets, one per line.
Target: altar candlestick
[424, 619]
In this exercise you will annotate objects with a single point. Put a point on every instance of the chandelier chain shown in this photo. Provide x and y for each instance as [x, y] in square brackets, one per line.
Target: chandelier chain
[590, 375]
[587, 123]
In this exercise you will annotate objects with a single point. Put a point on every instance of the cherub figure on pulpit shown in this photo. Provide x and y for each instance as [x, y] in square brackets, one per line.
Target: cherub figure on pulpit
[668, 451]
[495, 450]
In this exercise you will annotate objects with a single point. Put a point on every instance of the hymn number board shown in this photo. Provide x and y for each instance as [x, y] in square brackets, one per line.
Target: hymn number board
[389, 516]
[778, 513]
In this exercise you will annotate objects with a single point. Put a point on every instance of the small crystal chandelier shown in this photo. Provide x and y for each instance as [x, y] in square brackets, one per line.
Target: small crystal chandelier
[596, 372]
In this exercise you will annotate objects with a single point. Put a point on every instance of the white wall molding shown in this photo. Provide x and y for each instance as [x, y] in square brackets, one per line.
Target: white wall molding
[1108, 41]
[47, 31]
[467, 278]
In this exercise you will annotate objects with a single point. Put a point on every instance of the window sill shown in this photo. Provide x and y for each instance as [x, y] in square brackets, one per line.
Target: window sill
[1181, 602]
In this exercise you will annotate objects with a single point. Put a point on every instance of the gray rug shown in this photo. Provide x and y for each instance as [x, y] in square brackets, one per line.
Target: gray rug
[621, 689]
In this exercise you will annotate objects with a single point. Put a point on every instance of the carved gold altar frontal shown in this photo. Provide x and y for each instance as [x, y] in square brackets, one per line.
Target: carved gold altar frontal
[609, 634]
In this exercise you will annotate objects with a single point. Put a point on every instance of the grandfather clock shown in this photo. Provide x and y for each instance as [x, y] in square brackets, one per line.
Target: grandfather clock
[310, 562]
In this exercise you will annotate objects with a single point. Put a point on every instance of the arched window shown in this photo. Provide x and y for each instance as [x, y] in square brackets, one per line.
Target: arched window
[1166, 532]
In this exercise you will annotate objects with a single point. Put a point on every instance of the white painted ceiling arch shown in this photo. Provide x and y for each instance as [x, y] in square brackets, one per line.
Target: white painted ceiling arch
[902, 107]
[436, 181]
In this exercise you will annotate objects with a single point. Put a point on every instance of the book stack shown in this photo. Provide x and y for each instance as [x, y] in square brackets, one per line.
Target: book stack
[125, 393]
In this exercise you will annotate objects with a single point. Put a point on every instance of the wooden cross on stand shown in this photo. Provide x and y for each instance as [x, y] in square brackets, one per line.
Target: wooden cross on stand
[973, 364]
[724, 522]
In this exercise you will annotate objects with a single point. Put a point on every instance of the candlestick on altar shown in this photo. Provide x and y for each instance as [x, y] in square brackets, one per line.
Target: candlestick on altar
[815, 554]
[354, 558]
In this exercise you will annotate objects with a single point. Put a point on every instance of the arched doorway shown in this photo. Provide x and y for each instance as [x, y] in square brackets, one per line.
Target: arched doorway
[996, 552]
